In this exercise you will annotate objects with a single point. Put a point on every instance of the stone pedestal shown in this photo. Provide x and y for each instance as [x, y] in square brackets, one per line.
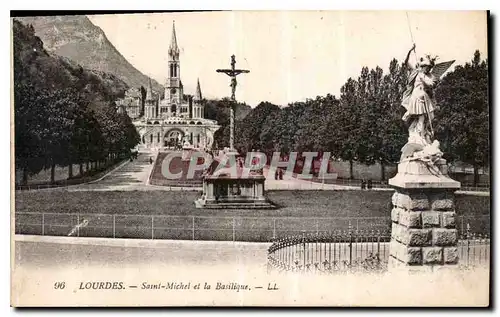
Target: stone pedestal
[424, 235]
[232, 186]
[233, 193]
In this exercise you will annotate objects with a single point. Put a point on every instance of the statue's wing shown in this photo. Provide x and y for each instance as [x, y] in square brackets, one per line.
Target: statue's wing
[410, 148]
[439, 69]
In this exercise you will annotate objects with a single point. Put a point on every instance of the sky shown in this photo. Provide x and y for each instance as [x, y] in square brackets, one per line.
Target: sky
[291, 55]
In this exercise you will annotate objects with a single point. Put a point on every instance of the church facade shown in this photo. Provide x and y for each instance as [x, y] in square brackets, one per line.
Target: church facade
[169, 122]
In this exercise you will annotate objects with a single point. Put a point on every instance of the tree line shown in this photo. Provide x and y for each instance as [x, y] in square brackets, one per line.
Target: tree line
[64, 114]
[364, 123]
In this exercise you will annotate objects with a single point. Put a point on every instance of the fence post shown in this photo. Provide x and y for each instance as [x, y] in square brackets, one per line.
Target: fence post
[43, 223]
[77, 225]
[233, 229]
[114, 230]
[152, 227]
[274, 228]
[378, 244]
[317, 226]
[192, 234]
[304, 246]
[468, 243]
[350, 243]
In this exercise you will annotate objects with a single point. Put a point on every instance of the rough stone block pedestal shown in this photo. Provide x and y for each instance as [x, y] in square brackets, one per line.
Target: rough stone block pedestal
[424, 235]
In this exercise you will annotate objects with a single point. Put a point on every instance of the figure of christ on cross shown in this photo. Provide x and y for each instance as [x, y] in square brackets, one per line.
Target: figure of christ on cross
[233, 72]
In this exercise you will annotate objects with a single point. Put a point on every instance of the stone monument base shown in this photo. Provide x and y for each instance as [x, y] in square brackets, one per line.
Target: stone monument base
[424, 235]
[234, 193]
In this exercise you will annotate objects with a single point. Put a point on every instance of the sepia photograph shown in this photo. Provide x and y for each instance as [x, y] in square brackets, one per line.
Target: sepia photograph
[250, 158]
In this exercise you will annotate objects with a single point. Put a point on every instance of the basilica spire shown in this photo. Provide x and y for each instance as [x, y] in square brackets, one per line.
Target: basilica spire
[174, 48]
[149, 90]
[197, 95]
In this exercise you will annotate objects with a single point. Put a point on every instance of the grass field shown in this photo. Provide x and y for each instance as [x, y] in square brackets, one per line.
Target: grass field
[175, 216]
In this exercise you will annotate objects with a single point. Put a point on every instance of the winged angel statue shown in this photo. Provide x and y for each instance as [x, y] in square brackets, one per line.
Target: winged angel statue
[420, 105]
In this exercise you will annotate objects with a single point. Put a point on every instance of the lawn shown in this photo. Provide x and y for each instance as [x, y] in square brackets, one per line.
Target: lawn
[175, 215]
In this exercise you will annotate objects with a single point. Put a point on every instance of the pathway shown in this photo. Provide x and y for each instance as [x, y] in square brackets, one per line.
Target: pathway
[293, 183]
[40, 251]
[126, 177]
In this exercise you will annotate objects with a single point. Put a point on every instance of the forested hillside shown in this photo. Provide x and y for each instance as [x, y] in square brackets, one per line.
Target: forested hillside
[64, 114]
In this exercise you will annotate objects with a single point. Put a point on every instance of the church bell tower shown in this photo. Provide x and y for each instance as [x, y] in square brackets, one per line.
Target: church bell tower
[173, 86]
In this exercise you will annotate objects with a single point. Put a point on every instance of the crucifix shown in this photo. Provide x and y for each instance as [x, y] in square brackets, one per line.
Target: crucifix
[233, 72]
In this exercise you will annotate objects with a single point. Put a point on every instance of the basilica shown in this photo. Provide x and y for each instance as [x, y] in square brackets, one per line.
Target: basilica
[173, 120]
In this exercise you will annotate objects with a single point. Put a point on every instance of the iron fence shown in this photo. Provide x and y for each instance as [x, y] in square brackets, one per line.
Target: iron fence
[358, 250]
[223, 228]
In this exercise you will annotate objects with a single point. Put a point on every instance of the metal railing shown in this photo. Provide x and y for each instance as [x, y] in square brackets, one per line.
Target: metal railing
[358, 250]
[228, 228]
[237, 228]
[328, 252]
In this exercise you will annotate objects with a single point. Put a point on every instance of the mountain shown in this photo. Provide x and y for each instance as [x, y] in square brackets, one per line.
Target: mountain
[35, 65]
[78, 39]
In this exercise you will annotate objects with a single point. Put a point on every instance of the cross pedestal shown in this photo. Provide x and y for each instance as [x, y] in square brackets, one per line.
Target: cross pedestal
[229, 184]
[233, 186]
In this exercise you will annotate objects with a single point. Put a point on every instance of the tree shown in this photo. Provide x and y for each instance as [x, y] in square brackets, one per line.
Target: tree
[64, 114]
[345, 144]
[248, 130]
[462, 122]
[29, 124]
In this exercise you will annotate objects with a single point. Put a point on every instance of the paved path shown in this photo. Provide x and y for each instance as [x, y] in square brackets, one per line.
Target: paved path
[293, 183]
[43, 251]
[129, 176]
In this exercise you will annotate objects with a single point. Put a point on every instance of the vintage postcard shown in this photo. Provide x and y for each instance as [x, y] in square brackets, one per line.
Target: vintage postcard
[251, 158]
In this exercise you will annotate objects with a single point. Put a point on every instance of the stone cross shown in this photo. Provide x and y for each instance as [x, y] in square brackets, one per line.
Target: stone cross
[232, 72]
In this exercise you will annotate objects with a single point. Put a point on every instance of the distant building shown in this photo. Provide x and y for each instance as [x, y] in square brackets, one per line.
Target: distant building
[174, 119]
[132, 103]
